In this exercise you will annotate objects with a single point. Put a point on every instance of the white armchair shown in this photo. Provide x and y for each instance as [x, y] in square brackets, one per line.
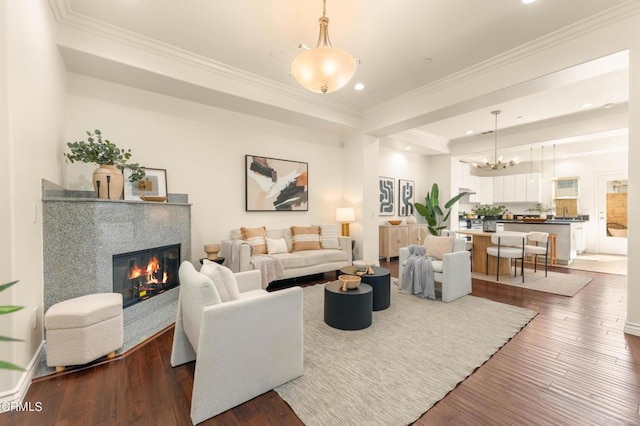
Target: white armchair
[243, 347]
[453, 271]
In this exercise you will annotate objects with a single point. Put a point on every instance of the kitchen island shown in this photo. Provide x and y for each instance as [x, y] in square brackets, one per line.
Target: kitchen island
[569, 235]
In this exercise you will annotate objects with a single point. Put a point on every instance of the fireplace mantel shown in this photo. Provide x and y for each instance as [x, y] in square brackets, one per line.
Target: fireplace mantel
[81, 234]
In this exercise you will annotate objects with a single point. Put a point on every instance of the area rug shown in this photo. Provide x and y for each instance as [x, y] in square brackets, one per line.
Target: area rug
[605, 263]
[413, 354]
[555, 282]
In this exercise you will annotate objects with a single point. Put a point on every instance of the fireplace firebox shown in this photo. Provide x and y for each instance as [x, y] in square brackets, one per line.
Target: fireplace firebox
[142, 274]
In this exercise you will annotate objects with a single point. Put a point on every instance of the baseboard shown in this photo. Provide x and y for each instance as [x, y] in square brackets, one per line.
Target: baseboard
[631, 328]
[18, 393]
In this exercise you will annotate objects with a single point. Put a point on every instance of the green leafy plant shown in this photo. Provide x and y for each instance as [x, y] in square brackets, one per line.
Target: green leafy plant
[489, 210]
[542, 208]
[101, 151]
[3, 311]
[433, 213]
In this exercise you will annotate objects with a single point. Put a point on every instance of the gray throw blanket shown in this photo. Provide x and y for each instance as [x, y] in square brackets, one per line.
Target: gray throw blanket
[418, 277]
[270, 268]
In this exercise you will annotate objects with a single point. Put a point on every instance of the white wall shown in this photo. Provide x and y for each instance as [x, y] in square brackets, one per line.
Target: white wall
[203, 148]
[404, 165]
[35, 79]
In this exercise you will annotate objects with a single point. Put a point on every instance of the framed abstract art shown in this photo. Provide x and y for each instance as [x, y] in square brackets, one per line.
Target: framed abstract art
[386, 186]
[272, 184]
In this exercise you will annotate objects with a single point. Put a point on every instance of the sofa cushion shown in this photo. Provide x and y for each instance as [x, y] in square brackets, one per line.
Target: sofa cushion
[223, 279]
[257, 238]
[305, 238]
[306, 258]
[329, 237]
[277, 245]
[438, 246]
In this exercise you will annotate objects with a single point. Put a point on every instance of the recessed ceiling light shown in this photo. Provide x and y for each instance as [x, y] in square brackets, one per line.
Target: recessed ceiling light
[469, 132]
[359, 86]
[587, 105]
[608, 106]
[427, 60]
[407, 148]
[527, 1]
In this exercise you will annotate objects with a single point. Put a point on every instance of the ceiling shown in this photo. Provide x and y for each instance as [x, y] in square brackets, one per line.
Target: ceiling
[402, 46]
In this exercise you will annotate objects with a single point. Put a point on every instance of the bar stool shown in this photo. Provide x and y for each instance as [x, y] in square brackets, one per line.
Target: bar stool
[508, 245]
[539, 247]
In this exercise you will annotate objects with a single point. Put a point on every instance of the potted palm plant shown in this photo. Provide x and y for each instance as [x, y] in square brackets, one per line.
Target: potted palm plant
[433, 213]
[108, 180]
[490, 215]
[543, 209]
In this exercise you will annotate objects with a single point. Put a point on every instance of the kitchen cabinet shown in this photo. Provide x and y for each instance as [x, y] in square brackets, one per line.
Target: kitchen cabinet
[392, 237]
[518, 188]
[579, 238]
[484, 190]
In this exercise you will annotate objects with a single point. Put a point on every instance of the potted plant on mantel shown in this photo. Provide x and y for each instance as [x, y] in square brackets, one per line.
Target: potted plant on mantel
[490, 215]
[108, 180]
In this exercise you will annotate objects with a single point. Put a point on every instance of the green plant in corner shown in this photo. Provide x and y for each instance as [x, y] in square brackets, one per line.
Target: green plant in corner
[433, 213]
[7, 310]
[101, 151]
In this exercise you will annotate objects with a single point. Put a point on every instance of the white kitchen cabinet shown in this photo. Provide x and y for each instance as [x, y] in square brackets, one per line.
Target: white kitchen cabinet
[520, 183]
[509, 189]
[579, 238]
[484, 190]
[498, 189]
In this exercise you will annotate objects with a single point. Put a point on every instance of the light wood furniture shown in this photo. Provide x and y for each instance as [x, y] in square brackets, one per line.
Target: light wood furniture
[482, 240]
[392, 237]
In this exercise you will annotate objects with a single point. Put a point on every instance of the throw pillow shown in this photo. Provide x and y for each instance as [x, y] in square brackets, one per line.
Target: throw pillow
[329, 237]
[438, 246]
[257, 238]
[276, 245]
[305, 238]
[223, 279]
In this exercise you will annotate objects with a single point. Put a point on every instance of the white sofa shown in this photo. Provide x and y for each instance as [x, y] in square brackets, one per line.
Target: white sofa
[295, 264]
[453, 271]
[245, 341]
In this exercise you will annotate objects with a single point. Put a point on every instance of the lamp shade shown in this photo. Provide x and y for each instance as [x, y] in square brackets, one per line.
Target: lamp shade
[345, 214]
[323, 69]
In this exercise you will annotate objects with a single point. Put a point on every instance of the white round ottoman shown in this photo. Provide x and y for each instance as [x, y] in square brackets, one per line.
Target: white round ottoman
[83, 329]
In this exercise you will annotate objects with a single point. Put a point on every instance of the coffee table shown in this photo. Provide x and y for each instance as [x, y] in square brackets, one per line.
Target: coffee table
[380, 280]
[348, 310]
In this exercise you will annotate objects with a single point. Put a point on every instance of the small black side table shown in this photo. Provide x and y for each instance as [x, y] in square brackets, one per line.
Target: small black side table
[348, 310]
[380, 280]
[219, 260]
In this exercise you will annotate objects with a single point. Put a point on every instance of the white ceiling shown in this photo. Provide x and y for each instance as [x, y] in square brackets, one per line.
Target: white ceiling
[402, 46]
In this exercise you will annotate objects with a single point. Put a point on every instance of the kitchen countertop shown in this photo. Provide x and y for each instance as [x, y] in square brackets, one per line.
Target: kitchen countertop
[546, 222]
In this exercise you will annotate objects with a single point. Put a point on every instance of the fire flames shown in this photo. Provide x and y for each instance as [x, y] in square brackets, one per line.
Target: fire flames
[150, 272]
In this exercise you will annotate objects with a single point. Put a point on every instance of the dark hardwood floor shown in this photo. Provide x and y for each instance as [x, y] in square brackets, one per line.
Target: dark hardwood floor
[571, 365]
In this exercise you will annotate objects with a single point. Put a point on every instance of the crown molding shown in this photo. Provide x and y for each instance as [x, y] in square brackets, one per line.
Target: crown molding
[65, 16]
[556, 38]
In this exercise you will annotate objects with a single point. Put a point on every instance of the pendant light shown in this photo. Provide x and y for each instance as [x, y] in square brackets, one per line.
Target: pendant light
[497, 164]
[531, 164]
[323, 69]
[542, 163]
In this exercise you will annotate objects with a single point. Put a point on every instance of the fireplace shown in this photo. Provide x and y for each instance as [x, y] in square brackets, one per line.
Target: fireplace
[142, 274]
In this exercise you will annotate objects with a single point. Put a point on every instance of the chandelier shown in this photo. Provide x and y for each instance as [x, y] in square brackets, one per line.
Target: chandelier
[323, 69]
[497, 164]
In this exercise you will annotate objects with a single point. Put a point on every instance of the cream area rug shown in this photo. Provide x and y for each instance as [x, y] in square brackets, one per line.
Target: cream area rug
[555, 282]
[392, 372]
[605, 263]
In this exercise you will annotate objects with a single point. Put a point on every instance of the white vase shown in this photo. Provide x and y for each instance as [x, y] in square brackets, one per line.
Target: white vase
[108, 182]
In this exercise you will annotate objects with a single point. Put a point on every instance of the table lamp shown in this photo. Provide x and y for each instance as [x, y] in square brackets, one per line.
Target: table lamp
[345, 215]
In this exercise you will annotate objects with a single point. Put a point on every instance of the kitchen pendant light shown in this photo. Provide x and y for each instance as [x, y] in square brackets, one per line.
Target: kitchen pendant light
[554, 162]
[497, 164]
[323, 69]
[531, 164]
[542, 163]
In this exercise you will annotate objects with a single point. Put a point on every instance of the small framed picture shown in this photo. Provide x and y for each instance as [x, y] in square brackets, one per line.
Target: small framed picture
[153, 187]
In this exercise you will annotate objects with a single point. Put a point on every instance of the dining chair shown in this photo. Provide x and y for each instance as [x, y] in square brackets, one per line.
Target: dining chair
[539, 247]
[508, 245]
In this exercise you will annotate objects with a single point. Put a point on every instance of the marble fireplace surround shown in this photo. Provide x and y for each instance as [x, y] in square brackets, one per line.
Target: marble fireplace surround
[81, 234]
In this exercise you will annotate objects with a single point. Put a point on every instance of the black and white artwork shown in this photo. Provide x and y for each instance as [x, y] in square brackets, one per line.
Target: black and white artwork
[406, 193]
[387, 196]
[275, 185]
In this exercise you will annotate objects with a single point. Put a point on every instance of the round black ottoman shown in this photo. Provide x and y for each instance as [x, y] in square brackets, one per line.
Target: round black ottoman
[380, 281]
[348, 310]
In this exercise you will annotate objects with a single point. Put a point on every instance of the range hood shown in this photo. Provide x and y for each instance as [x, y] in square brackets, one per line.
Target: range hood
[470, 191]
